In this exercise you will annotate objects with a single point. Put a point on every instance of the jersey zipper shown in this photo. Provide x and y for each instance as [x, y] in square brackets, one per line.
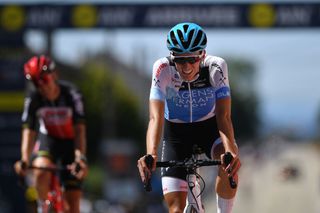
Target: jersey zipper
[189, 88]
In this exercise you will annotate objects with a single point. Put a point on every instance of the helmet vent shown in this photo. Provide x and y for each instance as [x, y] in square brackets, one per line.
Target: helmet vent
[204, 42]
[195, 49]
[180, 35]
[189, 40]
[198, 38]
[173, 38]
[184, 41]
[177, 50]
[185, 27]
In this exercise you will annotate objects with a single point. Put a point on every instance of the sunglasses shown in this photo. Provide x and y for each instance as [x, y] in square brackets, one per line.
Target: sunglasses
[186, 59]
[43, 80]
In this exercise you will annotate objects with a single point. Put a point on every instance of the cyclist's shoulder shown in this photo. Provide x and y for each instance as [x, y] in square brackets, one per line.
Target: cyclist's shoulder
[68, 87]
[214, 60]
[162, 66]
[32, 94]
[162, 63]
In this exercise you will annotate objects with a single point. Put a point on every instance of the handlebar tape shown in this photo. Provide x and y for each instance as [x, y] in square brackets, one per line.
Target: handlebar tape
[227, 160]
[78, 167]
[147, 184]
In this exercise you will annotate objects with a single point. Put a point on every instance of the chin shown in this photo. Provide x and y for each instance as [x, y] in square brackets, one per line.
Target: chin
[186, 78]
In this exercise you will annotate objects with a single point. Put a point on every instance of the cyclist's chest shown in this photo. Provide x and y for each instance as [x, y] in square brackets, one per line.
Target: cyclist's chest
[58, 112]
[56, 119]
[189, 101]
[199, 92]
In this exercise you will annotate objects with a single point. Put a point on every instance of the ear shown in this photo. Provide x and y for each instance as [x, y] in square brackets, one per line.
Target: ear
[204, 53]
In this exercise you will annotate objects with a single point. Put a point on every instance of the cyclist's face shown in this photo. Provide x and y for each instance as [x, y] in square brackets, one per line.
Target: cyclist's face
[188, 65]
[47, 86]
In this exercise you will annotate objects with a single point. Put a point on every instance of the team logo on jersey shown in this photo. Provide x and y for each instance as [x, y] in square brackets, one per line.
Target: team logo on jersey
[160, 68]
[78, 101]
[27, 102]
[55, 116]
[222, 80]
[56, 122]
[223, 92]
[171, 93]
[176, 82]
[200, 101]
[156, 82]
[199, 83]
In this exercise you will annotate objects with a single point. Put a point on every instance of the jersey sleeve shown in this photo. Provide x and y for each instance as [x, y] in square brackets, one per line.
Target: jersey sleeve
[29, 118]
[219, 77]
[78, 105]
[159, 80]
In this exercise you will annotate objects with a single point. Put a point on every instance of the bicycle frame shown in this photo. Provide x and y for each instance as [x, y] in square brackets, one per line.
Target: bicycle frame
[54, 201]
[193, 200]
[55, 196]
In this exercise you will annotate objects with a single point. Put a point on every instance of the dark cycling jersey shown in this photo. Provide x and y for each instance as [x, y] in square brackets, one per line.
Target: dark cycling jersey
[54, 121]
[54, 118]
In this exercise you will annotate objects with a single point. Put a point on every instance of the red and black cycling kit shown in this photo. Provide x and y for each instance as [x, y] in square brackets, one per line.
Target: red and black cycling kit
[54, 118]
[54, 122]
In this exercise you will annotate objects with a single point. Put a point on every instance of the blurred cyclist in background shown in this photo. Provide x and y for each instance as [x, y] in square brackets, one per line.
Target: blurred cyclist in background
[53, 131]
[190, 98]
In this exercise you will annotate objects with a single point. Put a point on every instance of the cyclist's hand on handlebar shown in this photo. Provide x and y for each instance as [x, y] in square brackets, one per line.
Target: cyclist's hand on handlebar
[21, 167]
[233, 167]
[79, 169]
[144, 170]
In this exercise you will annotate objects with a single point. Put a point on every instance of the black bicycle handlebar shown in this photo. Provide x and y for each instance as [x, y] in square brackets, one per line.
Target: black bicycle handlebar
[49, 169]
[187, 164]
[21, 178]
[56, 168]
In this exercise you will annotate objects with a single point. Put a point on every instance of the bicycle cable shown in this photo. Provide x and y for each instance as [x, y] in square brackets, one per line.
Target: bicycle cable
[191, 185]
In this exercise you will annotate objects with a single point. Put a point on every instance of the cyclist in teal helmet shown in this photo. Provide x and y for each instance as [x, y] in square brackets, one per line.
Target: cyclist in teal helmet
[190, 100]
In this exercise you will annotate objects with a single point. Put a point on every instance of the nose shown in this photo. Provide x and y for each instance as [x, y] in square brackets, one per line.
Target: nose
[186, 64]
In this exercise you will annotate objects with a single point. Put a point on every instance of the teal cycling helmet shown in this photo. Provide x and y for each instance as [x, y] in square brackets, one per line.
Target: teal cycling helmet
[186, 38]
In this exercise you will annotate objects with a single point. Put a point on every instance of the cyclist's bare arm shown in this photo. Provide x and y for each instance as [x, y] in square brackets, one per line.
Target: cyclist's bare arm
[156, 120]
[223, 115]
[80, 152]
[80, 140]
[27, 144]
[156, 116]
[28, 140]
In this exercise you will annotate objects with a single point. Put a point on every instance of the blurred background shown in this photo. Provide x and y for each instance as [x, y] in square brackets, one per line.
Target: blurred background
[107, 48]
